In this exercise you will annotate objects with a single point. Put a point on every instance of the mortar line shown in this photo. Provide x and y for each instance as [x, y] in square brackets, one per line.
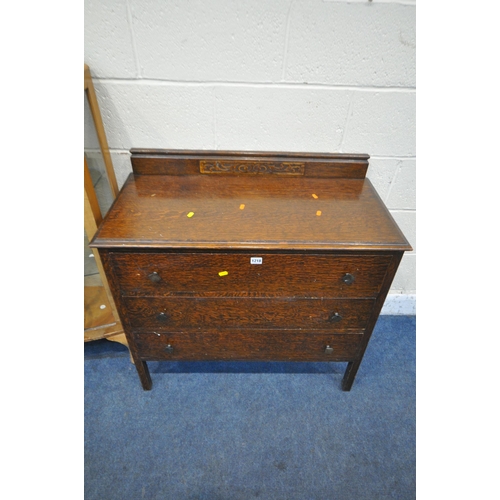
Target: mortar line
[287, 37]
[111, 150]
[280, 85]
[372, 157]
[395, 157]
[132, 36]
[349, 109]
[214, 110]
[393, 180]
[402, 210]
[394, 2]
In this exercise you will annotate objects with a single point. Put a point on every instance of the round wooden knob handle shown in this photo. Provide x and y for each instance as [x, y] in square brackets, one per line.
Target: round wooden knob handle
[154, 277]
[348, 279]
[163, 317]
[334, 318]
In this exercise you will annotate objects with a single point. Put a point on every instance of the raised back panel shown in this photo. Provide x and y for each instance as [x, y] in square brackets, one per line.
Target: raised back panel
[180, 162]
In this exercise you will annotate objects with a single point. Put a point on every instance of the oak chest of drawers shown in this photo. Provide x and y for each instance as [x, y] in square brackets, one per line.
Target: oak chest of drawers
[216, 255]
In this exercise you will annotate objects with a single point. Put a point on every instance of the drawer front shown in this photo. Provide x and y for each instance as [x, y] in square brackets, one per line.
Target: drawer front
[248, 345]
[282, 274]
[171, 313]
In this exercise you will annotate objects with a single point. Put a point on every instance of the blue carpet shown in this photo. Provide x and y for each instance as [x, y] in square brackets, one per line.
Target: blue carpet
[230, 431]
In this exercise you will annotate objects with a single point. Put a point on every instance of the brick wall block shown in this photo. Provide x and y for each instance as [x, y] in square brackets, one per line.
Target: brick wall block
[394, 180]
[157, 116]
[210, 41]
[108, 40]
[381, 123]
[403, 191]
[342, 43]
[381, 173]
[280, 119]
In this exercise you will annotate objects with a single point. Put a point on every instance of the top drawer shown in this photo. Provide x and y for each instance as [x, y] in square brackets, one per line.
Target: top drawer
[278, 274]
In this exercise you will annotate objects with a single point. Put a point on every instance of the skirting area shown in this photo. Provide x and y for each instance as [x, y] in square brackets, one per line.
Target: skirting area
[232, 431]
[400, 304]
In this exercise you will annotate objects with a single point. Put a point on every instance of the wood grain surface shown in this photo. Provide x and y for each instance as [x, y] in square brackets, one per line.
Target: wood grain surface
[279, 274]
[182, 162]
[220, 313]
[247, 345]
[279, 212]
[178, 241]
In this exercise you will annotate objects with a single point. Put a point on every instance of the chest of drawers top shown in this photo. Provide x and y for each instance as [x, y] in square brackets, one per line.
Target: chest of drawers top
[248, 201]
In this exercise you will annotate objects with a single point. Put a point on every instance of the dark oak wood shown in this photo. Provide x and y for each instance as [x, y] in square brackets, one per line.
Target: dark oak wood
[186, 273]
[158, 313]
[248, 345]
[279, 213]
[249, 256]
[180, 162]
[353, 366]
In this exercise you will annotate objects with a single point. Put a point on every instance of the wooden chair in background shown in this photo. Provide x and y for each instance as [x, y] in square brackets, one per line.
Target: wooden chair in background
[101, 317]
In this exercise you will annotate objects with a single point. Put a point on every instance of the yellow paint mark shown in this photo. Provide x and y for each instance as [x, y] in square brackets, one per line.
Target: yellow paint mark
[315, 196]
[190, 214]
[242, 206]
[318, 213]
[223, 273]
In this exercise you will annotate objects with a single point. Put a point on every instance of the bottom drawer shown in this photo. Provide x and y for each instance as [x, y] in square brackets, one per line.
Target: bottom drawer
[248, 345]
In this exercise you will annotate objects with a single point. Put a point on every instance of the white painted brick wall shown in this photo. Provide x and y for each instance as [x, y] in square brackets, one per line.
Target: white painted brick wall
[289, 75]
[341, 43]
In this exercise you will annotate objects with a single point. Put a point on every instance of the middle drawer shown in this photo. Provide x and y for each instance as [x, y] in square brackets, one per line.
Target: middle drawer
[167, 313]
